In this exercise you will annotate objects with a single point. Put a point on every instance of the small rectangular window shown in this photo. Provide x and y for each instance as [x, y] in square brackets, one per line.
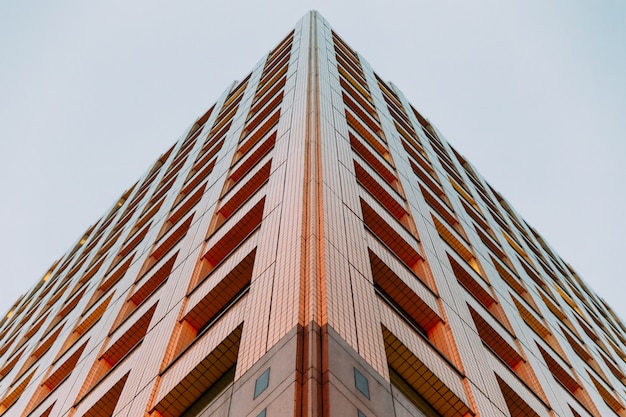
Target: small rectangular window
[265, 106]
[261, 383]
[361, 383]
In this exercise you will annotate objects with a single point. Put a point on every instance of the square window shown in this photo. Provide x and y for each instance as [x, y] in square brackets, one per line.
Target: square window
[361, 383]
[262, 382]
[262, 413]
[360, 413]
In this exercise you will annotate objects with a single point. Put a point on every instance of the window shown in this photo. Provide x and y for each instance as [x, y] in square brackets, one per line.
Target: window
[477, 289]
[612, 401]
[340, 43]
[213, 145]
[250, 162]
[591, 361]
[145, 288]
[516, 405]
[195, 178]
[234, 237]
[350, 69]
[181, 209]
[515, 283]
[358, 120]
[361, 383]
[443, 210]
[8, 367]
[400, 386]
[613, 367]
[468, 198]
[238, 199]
[423, 386]
[567, 378]
[48, 410]
[505, 352]
[391, 239]
[364, 101]
[65, 310]
[39, 351]
[274, 69]
[165, 244]
[412, 308]
[373, 161]
[200, 386]
[261, 383]
[109, 282]
[195, 129]
[265, 106]
[461, 248]
[138, 237]
[493, 245]
[537, 324]
[390, 202]
[250, 136]
[209, 150]
[574, 412]
[105, 406]
[86, 324]
[277, 76]
[56, 378]
[424, 169]
[15, 393]
[215, 303]
[374, 141]
[119, 350]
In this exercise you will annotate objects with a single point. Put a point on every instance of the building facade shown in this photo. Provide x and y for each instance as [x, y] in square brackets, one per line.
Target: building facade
[311, 246]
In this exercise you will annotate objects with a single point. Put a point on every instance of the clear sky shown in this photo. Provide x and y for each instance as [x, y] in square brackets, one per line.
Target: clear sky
[532, 92]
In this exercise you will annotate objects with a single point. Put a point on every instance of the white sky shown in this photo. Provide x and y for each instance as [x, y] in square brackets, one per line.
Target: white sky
[532, 92]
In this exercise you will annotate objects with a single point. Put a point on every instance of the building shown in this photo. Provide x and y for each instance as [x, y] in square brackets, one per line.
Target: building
[311, 246]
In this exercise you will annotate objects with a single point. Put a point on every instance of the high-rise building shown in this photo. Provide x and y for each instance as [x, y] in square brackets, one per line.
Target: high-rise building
[311, 246]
